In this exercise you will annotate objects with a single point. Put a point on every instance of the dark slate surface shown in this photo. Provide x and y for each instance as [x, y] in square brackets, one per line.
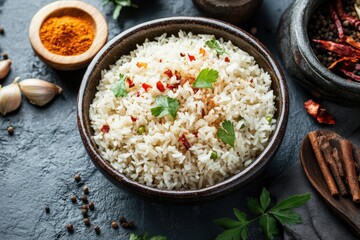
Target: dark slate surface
[37, 163]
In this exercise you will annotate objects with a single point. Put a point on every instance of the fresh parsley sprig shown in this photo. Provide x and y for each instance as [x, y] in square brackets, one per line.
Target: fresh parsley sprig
[213, 44]
[118, 5]
[146, 236]
[206, 78]
[268, 218]
[119, 88]
[227, 133]
[165, 105]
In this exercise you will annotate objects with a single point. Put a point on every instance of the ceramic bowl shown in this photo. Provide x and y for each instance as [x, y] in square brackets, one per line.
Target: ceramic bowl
[74, 9]
[301, 62]
[233, 11]
[123, 44]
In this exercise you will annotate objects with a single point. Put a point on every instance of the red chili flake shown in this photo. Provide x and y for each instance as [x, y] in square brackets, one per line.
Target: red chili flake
[196, 134]
[337, 22]
[191, 58]
[105, 128]
[318, 112]
[227, 59]
[146, 86]
[130, 83]
[171, 87]
[168, 73]
[182, 54]
[138, 94]
[160, 86]
[344, 59]
[177, 74]
[160, 60]
[133, 119]
[252, 81]
[185, 142]
[202, 51]
[141, 64]
[352, 42]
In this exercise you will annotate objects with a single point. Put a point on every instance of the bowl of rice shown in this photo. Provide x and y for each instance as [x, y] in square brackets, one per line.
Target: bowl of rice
[182, 109]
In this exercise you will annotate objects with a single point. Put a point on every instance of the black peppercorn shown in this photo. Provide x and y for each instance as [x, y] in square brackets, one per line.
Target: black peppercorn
[131, 224]
[86, 189]
[70, 228]
[97, 229]
[84, 213]
[2, 31]
[84, 207]
[73, 198]
[5, 55]
[10, 130]
[114, 225]
[125, 225]
[87, 221]
[91, 205]
[122, 219]
[84, 199]
[47, 209]
[77, 177]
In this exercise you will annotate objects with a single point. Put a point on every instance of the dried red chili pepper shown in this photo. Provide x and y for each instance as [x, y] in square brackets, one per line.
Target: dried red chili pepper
[177, 74]
[191, 58]
[185, 142]
[351, 41]
[337, 22]
[138, 94]
[146, 87]
[345, 17]
[350, 74]
[340, 49]
[227, 59]
[160, 86]
[168, 73]
[182, 54]
[133, 119]
[344, 59]
[105, 128]
[130, 83]
[318, 112]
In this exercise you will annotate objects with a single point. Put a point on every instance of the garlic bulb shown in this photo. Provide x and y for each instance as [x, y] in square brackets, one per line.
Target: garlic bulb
[39, 92]
[10, 98]
[4, 68]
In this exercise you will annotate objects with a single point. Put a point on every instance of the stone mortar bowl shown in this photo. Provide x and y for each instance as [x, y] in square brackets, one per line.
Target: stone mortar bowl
[123, 44]
[233, 11]
[301, 62]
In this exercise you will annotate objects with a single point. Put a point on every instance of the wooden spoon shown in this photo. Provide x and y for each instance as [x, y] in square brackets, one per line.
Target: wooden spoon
[342, 206]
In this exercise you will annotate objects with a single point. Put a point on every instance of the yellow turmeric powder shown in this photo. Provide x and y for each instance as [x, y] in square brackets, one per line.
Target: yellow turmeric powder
[67, 35]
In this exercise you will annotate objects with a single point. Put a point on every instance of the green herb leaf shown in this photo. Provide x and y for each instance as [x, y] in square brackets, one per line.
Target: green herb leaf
[213, 44]
[265, 199]
[119, 89]
[165, 105]
[206, 78]
[227, 133]
[118, 5]
[291, 202]
[133, 236]
[238, 229]
[268, 224]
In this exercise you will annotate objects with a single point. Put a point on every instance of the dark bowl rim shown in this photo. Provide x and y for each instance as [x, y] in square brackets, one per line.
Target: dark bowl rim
[217, 189]
[301, 25]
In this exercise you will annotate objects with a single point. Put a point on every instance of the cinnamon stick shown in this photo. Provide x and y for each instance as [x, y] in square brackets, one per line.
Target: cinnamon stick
[327, 152]
[349, 165]
[356, 153]
[322, 164]
[335, 155]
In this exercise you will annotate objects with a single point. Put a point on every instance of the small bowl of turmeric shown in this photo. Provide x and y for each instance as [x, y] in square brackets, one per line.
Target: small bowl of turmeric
[66, 35]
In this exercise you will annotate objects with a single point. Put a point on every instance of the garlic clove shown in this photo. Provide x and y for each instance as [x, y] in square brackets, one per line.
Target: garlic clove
[4, 68]
[10, 98]
[39, 92]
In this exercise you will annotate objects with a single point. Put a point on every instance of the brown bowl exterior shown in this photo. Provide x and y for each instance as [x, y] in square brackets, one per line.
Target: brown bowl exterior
[123, 44]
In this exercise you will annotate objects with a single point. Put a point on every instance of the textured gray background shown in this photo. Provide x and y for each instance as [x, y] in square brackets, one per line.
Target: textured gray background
[37, 163]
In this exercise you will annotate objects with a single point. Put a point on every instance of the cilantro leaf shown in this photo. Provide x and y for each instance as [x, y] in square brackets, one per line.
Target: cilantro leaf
[165, 105]
[119, 88]
[227, 133]
[268, 219]
[213, 44]
[206, 78]
[268, 224]
[118, 5]
[133, 236]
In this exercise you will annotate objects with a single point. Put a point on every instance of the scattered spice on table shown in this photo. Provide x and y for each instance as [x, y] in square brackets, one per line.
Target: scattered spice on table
[335, 37]
[87, 221]
[47, 210]
[2, 31]
[319, 112]
[5, 55]
[84, 213]
[91, 205]
[84, 199]
[70, 228]
[114, 224]
[97, 229]
[77, 177]
[86, 189]
[10, 130]
[73, 198]
[253, 30]
[67, 35]
[84, 207]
